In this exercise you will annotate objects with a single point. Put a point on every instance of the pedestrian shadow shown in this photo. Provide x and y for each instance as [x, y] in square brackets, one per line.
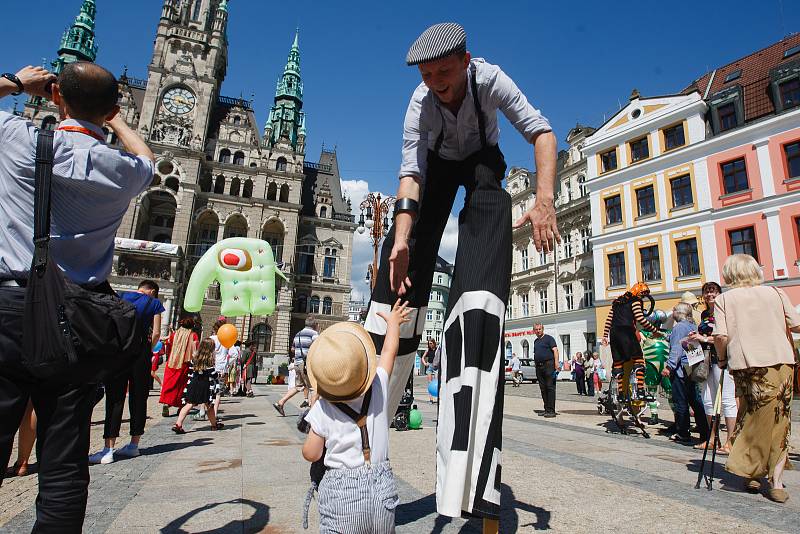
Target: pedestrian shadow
[241, 416]
[255, 523]
[509, 517]
[162, 448]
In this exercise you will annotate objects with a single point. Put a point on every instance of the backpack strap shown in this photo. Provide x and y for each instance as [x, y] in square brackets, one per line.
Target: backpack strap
[41, 205]
[360, 419]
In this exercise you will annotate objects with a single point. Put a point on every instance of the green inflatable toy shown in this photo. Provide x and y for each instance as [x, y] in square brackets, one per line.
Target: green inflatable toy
[656, 354]
[245, 269]
[414, 419]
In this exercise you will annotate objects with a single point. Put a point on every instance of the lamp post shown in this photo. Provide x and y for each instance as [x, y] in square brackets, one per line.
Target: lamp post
[375, 218]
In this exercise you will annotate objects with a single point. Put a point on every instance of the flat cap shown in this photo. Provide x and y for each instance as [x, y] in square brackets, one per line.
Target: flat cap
[438, 41]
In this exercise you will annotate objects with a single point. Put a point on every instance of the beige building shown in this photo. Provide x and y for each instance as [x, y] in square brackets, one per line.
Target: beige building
[219, 175]
[554, 289]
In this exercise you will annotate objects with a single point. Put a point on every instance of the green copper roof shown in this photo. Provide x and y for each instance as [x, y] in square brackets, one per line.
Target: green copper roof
[223, 5]
[290, 85]
[286, 118]
[77, 43]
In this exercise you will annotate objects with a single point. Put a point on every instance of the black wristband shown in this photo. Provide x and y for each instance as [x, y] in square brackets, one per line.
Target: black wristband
[406, 205]
[13, 78]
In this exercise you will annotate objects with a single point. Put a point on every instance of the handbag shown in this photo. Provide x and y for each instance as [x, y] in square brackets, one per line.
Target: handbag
[697, 372]
[71, 333]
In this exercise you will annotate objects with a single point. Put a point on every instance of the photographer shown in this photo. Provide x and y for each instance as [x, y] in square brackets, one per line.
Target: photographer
[92, 186]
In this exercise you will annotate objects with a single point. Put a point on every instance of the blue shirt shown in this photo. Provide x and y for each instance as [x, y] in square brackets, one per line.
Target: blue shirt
[93, 185]
[677, 356]
[146, 306]
[426, 117]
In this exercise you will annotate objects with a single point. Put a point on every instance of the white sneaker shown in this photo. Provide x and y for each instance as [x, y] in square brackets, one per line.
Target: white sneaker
[128, 451]
[105, 456]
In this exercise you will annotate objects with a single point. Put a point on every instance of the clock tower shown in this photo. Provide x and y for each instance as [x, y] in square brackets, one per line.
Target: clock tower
[189, 61]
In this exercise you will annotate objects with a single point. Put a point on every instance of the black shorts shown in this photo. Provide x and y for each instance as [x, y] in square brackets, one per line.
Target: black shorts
[624, 344]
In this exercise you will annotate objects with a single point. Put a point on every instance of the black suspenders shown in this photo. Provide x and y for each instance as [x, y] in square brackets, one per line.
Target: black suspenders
[478, 111]
[360, 419]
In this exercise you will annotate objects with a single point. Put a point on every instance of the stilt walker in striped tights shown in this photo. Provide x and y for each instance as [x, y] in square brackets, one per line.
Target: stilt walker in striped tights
[450, 140]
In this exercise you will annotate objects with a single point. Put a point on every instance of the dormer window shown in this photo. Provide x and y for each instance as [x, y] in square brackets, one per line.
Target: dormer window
[726, 109]
[785, 86]
[791, 51]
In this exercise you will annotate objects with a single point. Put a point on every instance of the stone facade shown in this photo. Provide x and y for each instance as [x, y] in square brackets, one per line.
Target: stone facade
[555, 289]
[437, 304]
[218, 177]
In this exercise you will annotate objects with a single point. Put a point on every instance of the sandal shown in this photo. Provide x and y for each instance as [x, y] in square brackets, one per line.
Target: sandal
[178, 429]
[218, 426]
[778, 495]
[752, 485]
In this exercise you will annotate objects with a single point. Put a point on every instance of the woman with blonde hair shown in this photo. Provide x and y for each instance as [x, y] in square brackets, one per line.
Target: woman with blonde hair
[753, 340]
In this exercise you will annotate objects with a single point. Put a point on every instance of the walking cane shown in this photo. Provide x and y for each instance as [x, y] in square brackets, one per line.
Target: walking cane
[715, 432]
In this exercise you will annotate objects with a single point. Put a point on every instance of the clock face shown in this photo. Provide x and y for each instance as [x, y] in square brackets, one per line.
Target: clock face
[179, 100]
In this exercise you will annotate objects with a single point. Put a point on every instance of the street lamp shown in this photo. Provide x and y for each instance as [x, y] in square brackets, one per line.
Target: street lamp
[375, 218]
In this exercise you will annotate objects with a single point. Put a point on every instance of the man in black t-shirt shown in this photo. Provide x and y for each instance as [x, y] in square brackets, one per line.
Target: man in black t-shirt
[545, 356]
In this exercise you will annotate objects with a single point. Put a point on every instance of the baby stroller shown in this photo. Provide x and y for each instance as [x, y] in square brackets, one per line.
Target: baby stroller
[400, 421]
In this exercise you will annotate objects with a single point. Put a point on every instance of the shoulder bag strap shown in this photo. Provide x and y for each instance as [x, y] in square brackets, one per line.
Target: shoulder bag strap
[478, 111]
[41, 204]
[360, 419]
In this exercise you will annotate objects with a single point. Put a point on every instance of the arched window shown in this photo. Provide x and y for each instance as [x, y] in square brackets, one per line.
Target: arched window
[508, 349]
[273, 234]
[272, 191]
[236, 226]
[206, 183]
[253, 164]
[302, 304]
[284, 193]
[280, 165]
[172, 183]
[323, 212]
[237, 120]
[196, 11]
[247, 191]
[262, 335]
[526, 349]
[327, 306]
[49, 123]
[238, 158]
[219, 185]
[204, 234]
[236, 184]
[314, 308]
[156, 215]
[224, 156]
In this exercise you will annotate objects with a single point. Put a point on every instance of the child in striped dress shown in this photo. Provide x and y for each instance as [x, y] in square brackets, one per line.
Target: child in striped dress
[349, 426]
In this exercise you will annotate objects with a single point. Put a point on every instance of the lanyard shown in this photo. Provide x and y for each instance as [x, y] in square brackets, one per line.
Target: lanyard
[81, 129]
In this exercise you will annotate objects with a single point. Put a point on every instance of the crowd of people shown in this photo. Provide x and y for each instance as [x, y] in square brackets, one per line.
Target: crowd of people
[347, 421]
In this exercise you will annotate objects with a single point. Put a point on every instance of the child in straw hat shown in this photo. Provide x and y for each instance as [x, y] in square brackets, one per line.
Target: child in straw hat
[350, 425]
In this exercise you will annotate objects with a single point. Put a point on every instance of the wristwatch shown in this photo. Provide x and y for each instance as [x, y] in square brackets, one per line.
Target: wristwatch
[13, 78]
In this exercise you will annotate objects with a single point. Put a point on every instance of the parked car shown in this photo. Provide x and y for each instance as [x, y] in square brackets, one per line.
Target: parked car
[526, 367]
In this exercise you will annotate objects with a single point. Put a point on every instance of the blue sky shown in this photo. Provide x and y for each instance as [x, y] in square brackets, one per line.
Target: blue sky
[576, 61]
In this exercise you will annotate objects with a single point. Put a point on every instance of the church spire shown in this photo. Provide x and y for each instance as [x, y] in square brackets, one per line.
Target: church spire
[77, 43]
[286, 120]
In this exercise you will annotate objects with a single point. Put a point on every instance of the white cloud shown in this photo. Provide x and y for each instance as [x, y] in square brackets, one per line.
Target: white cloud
[362, 243]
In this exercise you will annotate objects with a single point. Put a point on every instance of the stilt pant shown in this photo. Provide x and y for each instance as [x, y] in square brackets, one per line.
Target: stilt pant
[471, 372]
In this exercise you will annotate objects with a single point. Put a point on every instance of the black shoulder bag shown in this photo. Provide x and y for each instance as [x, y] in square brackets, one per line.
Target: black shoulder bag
[71, 333]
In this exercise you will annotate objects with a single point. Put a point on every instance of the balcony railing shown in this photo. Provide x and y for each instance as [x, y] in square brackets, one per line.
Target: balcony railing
[318, 166]
[230, 101]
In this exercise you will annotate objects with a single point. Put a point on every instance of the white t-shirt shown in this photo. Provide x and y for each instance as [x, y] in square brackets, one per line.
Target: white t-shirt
[515, 364]
[341, 434]
[220, 355]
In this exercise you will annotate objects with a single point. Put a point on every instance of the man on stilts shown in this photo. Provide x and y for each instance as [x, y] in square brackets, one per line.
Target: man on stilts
[449, 140]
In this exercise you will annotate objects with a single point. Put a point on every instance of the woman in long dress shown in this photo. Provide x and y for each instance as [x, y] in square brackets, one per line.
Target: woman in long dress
[181, 345]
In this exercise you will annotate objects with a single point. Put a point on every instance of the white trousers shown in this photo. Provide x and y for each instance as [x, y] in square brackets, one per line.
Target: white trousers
[709, 389]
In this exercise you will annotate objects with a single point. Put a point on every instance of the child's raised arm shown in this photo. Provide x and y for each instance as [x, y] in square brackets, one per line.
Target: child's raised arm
[391, 342]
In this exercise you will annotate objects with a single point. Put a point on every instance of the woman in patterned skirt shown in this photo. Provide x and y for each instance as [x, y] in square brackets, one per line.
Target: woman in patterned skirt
[761, 361]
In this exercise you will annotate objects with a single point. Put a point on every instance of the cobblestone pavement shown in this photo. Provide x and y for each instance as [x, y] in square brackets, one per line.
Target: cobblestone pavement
[566, 474]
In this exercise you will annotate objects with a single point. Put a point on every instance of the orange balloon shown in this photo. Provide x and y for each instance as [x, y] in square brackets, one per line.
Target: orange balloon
[227, 335]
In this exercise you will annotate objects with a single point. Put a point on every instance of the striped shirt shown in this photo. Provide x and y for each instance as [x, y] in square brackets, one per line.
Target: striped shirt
[93, 185]
[302, 342]
[426, 118]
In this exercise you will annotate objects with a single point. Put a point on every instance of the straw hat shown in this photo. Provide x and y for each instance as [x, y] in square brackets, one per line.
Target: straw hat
[342, 362]
[689, 298]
